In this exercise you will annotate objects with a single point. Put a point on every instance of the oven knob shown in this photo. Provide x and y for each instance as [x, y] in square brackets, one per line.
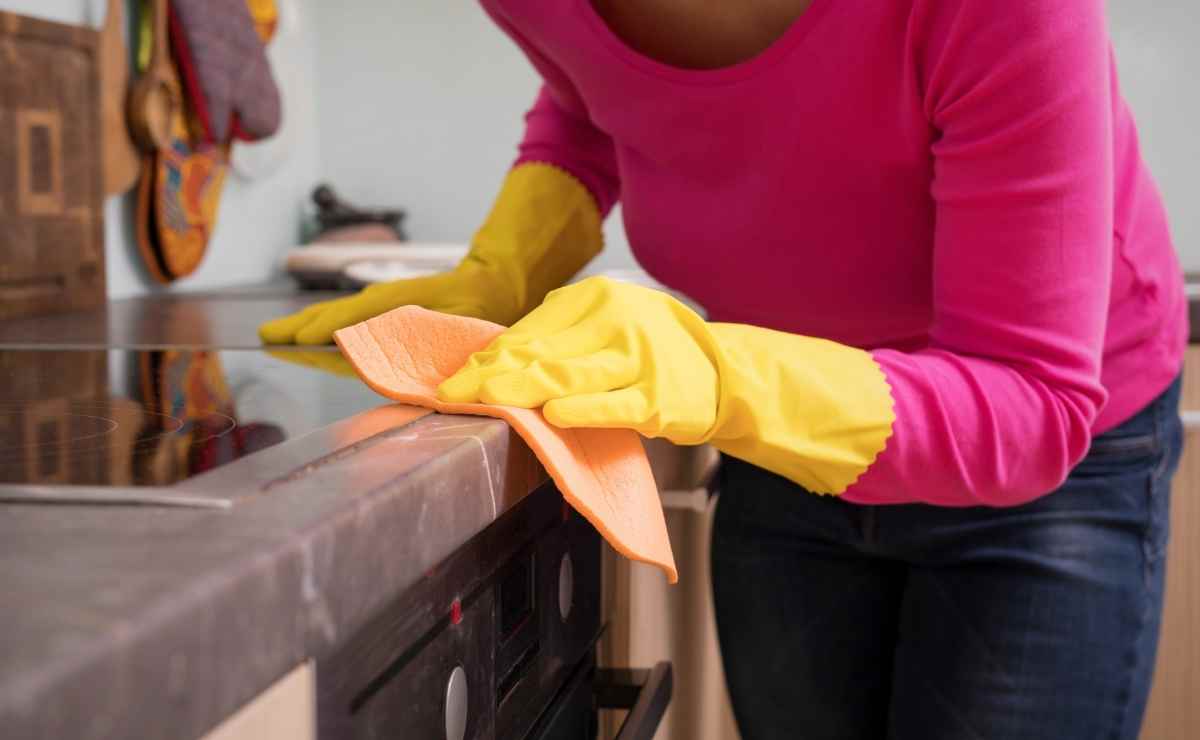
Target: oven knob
[456, 704]
[566, 586]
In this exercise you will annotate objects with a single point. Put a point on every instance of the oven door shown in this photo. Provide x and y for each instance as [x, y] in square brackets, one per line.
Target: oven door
[495, 643]
[645, 694]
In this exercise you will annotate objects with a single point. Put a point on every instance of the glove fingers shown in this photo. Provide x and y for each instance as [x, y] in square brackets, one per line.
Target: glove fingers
[283, 330]
[373, 301]
[576, 342]
[338, 315]
[447, 291]
[636, 407]
[626, 408]
[546, 380]
[512, 351]
[561, 310]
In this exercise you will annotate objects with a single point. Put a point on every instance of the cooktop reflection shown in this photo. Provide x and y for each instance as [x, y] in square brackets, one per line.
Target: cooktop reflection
[154, 418]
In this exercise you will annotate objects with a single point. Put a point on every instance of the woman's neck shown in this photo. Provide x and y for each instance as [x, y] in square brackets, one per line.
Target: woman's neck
[700, 34]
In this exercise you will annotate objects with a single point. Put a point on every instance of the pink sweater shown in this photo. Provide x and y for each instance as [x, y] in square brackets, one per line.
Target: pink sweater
[954, 185]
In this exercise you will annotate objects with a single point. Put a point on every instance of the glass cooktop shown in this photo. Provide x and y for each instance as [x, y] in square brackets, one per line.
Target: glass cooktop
[156, 417]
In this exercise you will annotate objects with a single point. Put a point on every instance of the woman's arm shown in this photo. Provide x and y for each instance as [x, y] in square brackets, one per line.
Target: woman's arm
[544, 226]
[558, 130]
[570, 141]
[1000, 407]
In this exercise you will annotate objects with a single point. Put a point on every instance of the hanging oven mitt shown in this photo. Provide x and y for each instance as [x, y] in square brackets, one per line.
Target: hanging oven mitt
[543, 228]
[223, 62]
[180, 190]
[613, 355]
[265, 15]
[186, 194]
[179, 193]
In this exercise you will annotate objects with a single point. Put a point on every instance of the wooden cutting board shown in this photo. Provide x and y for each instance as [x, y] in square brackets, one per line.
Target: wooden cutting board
[122, 161]
[51, 182]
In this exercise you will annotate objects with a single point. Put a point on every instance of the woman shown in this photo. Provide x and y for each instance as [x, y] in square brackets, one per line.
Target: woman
[947, 328]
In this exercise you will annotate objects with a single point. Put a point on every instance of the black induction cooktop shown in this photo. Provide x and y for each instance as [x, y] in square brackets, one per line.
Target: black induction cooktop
[121, 417]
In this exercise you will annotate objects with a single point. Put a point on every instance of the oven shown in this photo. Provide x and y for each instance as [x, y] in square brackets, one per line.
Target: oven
[498, 641]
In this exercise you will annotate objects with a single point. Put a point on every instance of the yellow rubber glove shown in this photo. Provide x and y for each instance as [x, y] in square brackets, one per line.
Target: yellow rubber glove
[606, 354]
[543, 228]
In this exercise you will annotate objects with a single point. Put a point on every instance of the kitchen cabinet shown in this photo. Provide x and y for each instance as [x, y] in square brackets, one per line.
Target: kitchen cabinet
[285, 711]
[651, 621]
[1174, 709]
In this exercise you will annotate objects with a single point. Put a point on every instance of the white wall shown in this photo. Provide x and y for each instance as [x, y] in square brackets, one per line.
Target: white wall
[421, 107]
[257, 222]
[1158, 55]
[418, 103]
[421, 104]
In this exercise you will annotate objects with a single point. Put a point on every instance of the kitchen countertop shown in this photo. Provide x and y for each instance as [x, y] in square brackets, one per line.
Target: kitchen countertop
[225, 319]
[141, 621]
[158, 622]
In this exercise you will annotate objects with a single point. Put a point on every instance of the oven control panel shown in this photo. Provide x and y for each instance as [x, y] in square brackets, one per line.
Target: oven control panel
[481, 647]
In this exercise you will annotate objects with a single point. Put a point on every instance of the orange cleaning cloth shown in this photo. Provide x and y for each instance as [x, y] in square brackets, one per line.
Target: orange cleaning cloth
[406, 353]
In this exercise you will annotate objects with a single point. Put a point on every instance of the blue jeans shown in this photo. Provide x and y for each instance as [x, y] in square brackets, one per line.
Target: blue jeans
[923, 623]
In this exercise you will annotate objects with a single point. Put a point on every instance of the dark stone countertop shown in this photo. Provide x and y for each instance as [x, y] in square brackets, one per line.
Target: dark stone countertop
[224, 319]
[142, 621]
[158, 622]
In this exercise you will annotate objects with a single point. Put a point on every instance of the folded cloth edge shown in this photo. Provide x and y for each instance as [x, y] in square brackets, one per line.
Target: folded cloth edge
[367, 355]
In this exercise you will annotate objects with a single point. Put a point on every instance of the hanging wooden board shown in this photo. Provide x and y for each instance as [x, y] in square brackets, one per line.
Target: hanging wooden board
[122, 160]
[51, 176]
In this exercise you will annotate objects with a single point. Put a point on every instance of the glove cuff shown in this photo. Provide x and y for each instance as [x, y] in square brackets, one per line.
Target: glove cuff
[543, 228]
[816, 412]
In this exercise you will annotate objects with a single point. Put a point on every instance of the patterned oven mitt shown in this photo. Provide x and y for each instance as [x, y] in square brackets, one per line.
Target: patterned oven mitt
[226, 75]
[179, 192]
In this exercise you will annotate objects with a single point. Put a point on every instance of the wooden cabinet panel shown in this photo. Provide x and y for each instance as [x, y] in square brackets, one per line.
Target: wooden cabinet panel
[1174, 709]
[51, 199]
[286, 711]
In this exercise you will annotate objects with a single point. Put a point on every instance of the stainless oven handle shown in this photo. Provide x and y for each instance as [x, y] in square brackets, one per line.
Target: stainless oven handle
[645, 693]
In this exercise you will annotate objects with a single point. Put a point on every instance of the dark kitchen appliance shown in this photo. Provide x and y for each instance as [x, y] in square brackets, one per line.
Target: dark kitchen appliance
[335, 213]
[166, 401]
[512, 657]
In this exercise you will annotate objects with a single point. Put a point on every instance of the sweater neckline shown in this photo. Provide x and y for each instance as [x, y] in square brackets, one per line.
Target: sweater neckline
[778, 49]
